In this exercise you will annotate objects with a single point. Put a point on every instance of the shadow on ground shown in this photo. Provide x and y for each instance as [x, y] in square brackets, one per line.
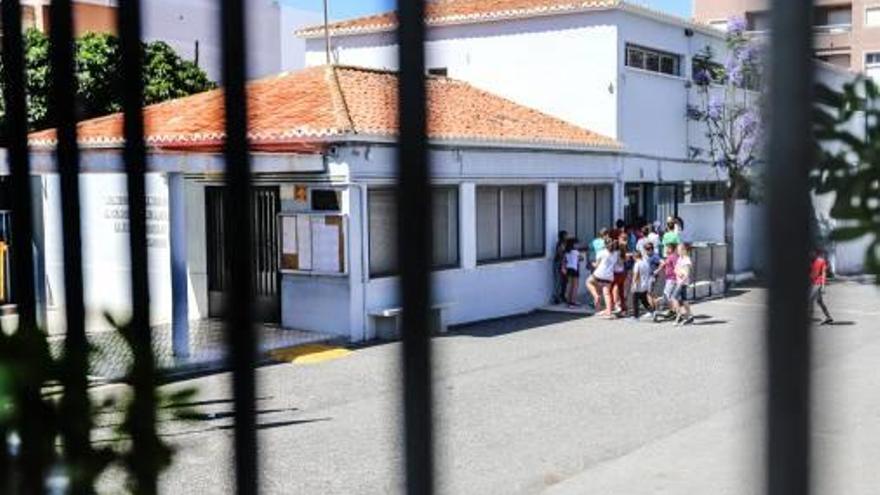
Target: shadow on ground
[512, 324]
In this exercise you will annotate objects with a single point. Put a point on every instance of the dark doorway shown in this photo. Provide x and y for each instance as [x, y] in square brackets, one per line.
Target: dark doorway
[651, 202]
[265, 206]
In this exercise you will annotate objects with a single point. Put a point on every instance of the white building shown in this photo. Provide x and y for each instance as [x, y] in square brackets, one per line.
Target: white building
[620, 69]
[609, 65]
[192, 28]
[324, 162]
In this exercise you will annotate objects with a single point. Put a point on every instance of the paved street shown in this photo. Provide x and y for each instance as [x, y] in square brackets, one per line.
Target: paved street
[556, 404]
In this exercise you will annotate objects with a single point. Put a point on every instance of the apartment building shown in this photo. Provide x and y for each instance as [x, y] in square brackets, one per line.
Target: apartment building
[191, 27]
[847, 32]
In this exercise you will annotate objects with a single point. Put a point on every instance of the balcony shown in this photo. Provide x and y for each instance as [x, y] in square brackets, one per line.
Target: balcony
[833, 37]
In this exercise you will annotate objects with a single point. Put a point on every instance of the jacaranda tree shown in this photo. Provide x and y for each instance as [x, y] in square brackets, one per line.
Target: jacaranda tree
[728, 109]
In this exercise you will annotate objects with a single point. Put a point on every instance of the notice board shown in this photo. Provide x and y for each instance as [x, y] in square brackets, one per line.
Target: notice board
[312, 243]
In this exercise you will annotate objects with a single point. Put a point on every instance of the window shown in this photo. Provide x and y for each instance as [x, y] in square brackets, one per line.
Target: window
[325, 200]
[703, 192]
[833, 16]
[702, 66]
[838, 59]
[510, 223]
[382, 221]
[872, 16]
[653, 60]
[719, 24]
[872, 65]
[585, 210]
[758, 21]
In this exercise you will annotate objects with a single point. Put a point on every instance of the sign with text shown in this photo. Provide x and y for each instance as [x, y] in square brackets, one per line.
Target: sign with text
[312, 243]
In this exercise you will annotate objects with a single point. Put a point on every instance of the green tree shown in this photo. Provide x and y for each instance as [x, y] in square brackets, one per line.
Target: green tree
[98, 73]
[847, 125]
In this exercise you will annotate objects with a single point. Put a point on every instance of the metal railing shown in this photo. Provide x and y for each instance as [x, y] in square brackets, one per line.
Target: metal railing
[788, 343]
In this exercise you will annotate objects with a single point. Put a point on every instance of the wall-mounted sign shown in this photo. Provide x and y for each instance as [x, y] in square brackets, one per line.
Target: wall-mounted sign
[312, 243]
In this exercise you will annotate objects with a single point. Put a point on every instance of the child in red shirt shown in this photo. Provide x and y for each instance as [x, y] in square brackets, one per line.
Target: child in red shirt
[818, 281]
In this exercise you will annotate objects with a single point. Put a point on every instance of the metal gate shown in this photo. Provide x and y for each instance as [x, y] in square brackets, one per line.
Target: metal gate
[265, 205]
[790, 151]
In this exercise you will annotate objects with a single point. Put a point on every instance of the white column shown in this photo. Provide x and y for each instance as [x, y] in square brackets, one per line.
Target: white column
[551, 217]
[357, 224]
[467, 197]
[618, 197]
[177, 233]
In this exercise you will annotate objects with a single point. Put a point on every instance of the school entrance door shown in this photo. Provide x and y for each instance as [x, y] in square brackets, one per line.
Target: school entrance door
[265, 206]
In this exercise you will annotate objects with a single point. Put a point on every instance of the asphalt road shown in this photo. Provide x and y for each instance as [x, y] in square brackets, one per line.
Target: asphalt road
[554, 404]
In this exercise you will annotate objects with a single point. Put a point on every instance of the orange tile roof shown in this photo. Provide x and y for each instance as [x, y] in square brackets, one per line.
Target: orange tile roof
[303, 111]
[440, 12]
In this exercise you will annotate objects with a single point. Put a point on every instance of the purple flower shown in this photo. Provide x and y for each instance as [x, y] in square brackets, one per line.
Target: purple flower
[702, 77]
[715, 109]
[736, 25]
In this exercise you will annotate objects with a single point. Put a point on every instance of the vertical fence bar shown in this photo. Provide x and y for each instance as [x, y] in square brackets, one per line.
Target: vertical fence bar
[238, 233]
[788, 209]
[145, 448]
[414, 248]
[63, 108]
[22, 214]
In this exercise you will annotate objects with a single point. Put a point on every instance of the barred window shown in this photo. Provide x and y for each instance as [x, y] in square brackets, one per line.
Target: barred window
[510, 223]
[382, 223]
[652, 60]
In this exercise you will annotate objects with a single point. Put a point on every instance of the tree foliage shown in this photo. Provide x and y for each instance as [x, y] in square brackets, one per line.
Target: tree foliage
[729, 107]
[99, 73]
[847, 127]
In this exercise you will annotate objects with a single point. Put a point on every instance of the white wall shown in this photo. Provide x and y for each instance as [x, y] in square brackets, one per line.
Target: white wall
[105, 249]
[272, 45]
[652, 106]
[570, 66]
[704, 222]
[522, 60]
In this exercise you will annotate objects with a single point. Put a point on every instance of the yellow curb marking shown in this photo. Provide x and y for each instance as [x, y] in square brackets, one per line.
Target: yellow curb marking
[310, 354]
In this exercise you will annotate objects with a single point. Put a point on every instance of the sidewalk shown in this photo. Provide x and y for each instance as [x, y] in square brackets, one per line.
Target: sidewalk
[111, 357]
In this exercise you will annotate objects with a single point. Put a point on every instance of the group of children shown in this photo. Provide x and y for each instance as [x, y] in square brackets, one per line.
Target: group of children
[627, 265]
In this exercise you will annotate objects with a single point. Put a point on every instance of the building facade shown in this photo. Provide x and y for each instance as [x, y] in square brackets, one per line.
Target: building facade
[192, 28]
[847, 31]
[620, 69]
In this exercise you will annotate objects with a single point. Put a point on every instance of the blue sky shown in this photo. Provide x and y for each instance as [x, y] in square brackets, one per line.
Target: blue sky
[341, 9]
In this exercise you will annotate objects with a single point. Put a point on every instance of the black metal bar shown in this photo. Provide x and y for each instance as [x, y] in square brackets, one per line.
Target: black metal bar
[63, 109]
[145, 445]
[414, 248]
[788, 209]
[238, 233]
[22, 213]
[19, 164]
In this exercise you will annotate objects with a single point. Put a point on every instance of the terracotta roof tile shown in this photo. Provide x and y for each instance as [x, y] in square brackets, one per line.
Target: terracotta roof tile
[304, 110]
[440, 12]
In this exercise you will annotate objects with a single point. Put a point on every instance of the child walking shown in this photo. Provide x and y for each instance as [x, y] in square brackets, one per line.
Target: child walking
[683, 269]
[667, 266]
[818, 281]
[642, 282]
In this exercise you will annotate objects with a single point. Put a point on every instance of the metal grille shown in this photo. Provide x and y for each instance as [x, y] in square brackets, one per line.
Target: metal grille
[788, 340]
